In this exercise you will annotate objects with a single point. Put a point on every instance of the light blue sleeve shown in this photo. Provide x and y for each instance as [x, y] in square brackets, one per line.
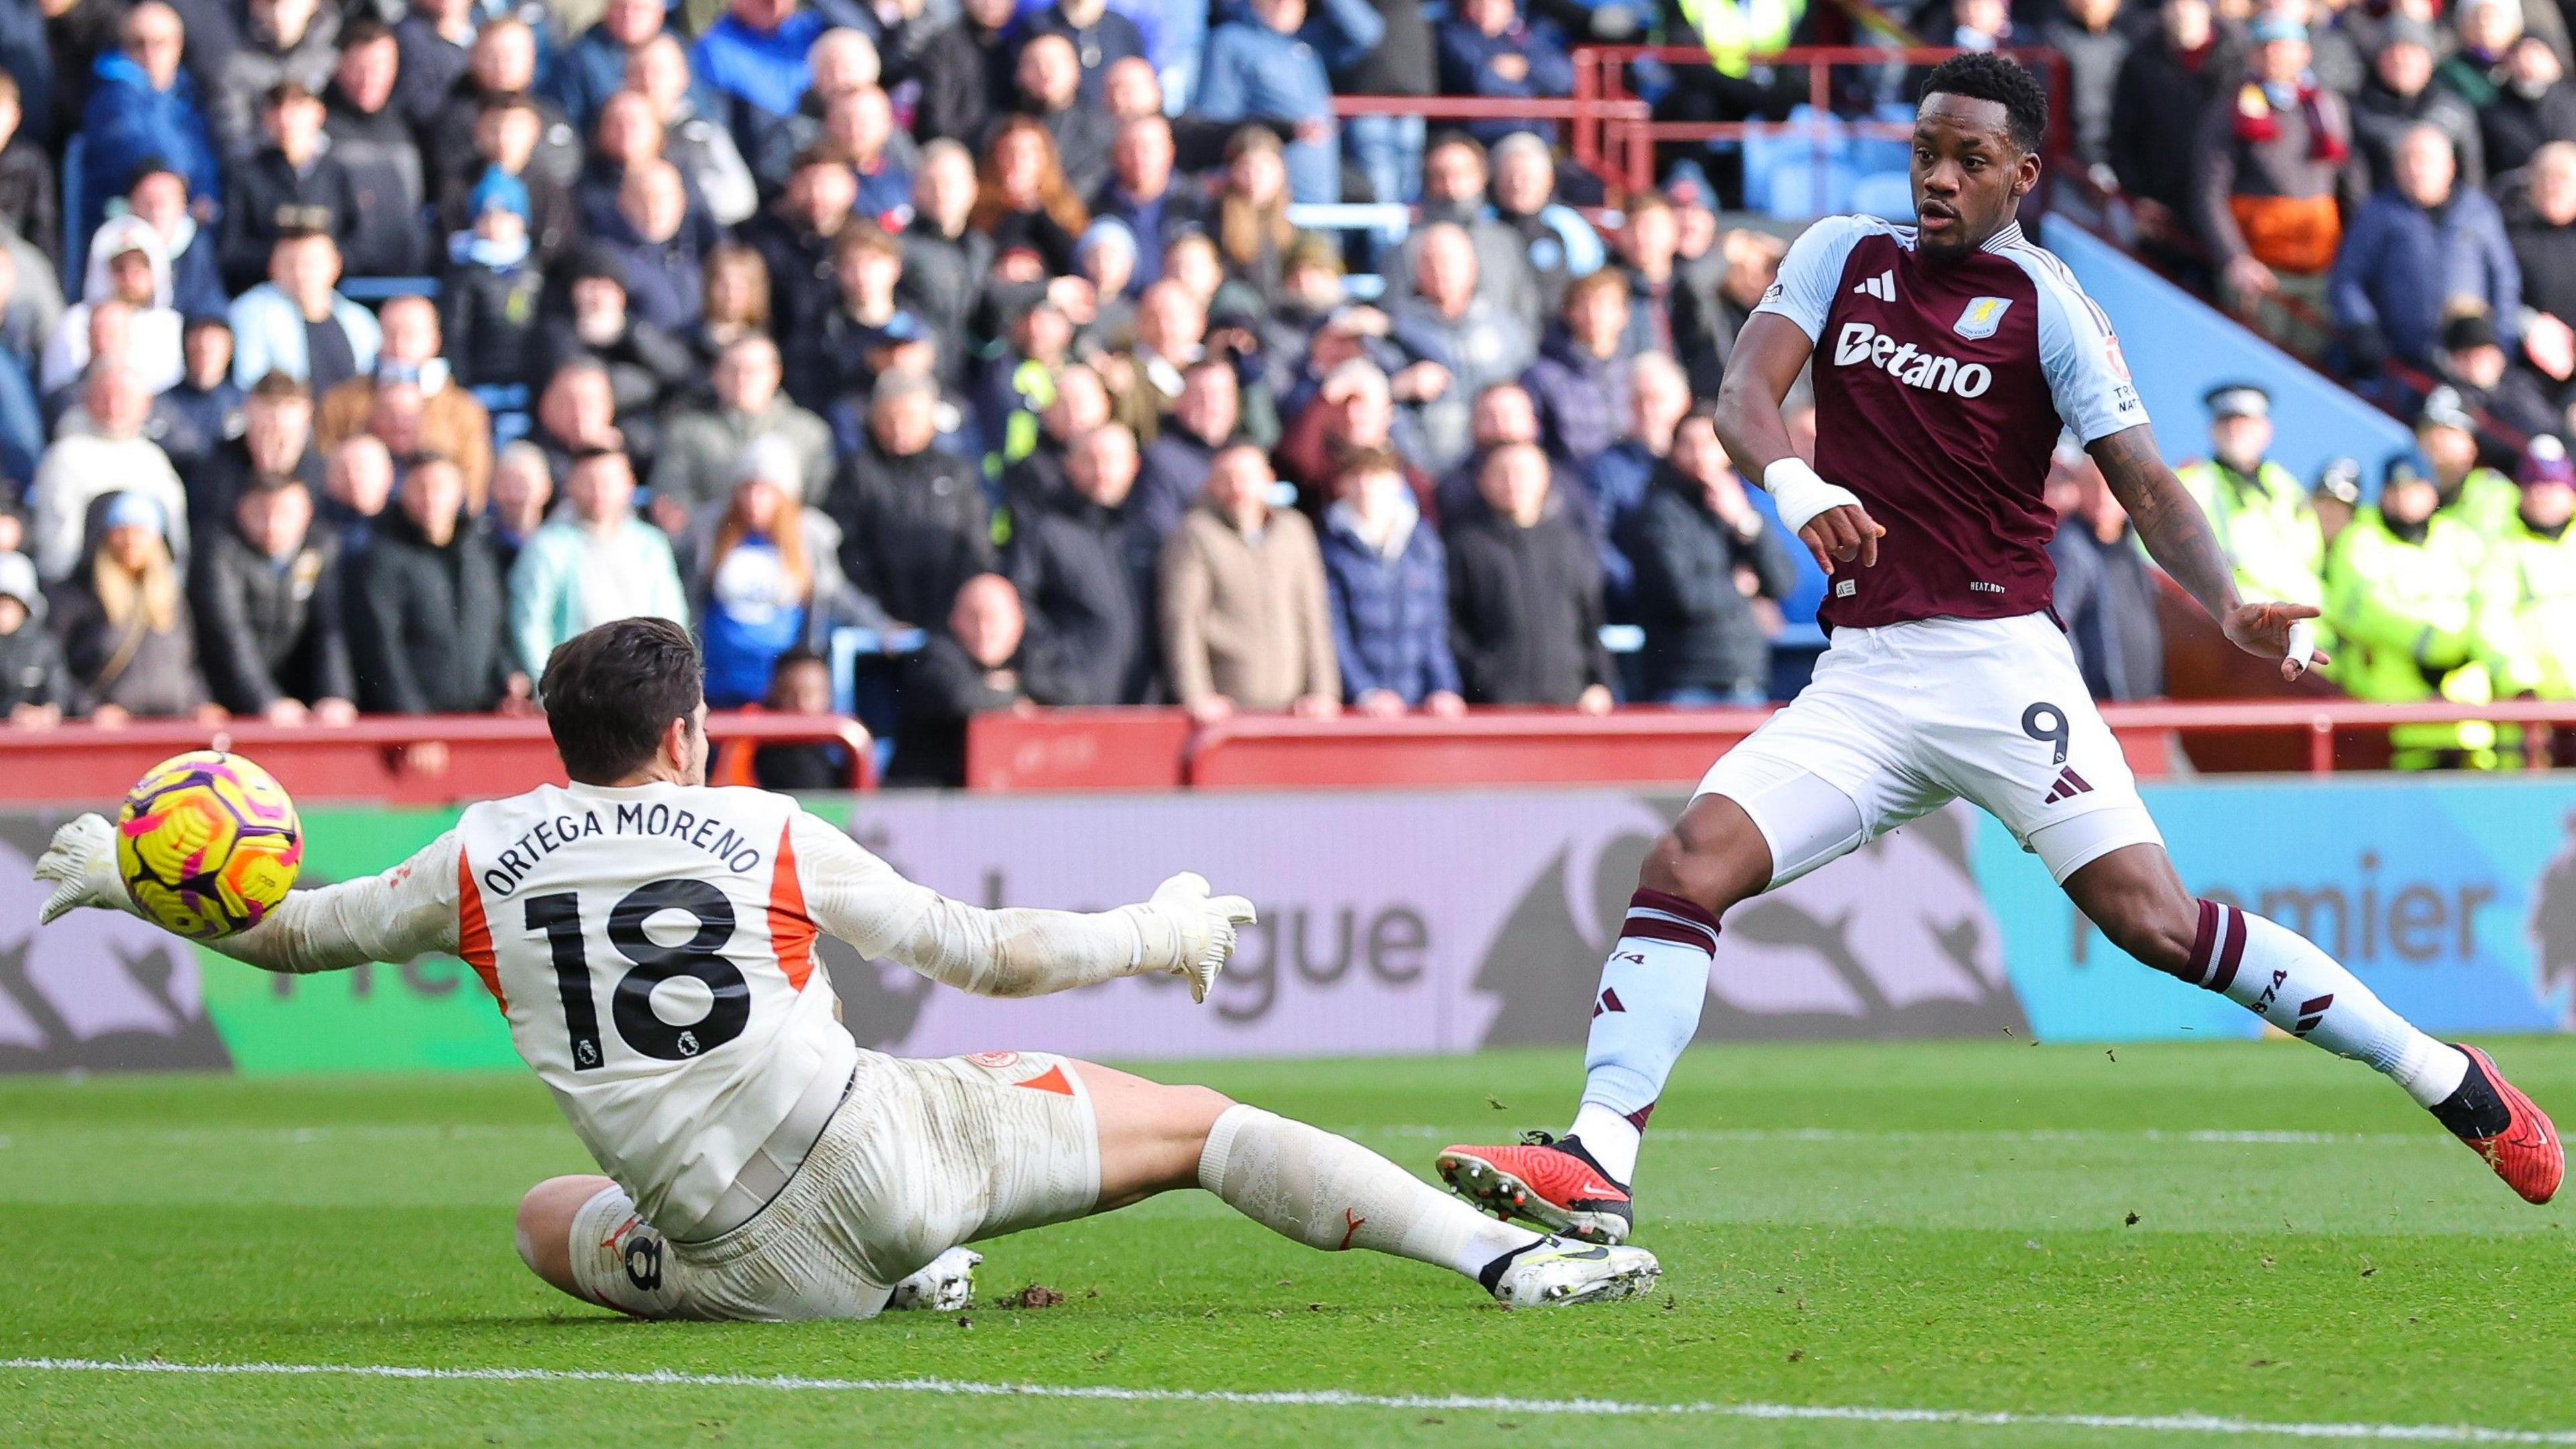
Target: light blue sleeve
[533, 584]
[1584, 253]
[2080, 356]
[1804, 292]
[1221, 91]
[251, 359]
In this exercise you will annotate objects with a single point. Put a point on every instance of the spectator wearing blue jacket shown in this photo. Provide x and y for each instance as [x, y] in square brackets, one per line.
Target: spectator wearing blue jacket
[1579, 383]
[593, 68]
[1488, 49]
[143, 107]
[1173, 36]
[756, 57]
[1386, 576]
[1268, 63]
[1616, 479]
[2418, 249]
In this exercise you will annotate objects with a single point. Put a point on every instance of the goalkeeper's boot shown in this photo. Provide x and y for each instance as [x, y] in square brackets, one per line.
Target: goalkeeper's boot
[2524, 1150]
[943, 1285]
[1547, 1180]
[1553, 1272]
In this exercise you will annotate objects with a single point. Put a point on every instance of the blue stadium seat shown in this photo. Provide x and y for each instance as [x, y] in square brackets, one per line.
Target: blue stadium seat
[1889, 194]
[1809, 136]
[379, 290]
[1886, 153]
[1800, 188]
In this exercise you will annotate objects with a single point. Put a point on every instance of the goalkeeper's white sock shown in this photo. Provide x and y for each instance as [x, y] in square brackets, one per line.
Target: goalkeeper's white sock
[1647, 1010]
[1331, 1193]
[2283, 978]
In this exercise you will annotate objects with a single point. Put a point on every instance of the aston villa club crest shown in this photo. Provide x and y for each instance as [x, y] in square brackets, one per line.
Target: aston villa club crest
[1983, 316]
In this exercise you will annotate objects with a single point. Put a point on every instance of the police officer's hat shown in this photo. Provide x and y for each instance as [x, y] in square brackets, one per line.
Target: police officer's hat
[2444, 408]
[2407, 467]
[2237, 400]
[2339, 480]
[2544, 461]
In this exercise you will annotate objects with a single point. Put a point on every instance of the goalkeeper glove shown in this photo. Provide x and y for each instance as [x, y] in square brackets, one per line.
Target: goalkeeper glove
[1202, 926]
[82, 865]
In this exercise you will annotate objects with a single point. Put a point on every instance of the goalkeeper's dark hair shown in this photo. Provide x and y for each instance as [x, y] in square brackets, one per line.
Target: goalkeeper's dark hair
[1982, 75]
[610, 692]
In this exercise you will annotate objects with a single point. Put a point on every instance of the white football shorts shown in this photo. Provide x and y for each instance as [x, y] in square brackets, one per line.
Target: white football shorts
[922, 1156]
[1902, 719]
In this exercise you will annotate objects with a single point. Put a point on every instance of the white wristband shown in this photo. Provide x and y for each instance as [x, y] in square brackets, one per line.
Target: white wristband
[1801, 493]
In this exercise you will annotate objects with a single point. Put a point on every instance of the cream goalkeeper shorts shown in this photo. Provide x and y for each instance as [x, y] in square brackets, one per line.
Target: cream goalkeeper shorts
[922, 1156]
[1900, 720]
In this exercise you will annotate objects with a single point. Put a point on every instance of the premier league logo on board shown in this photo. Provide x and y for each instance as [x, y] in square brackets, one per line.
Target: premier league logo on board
[1983, 316]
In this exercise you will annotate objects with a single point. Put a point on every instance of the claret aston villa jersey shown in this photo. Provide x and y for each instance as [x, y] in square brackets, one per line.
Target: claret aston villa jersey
[1941, 390]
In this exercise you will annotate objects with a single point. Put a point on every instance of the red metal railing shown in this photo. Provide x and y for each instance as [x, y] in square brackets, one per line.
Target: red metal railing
[1604, 141]
[407, 759]
[1132, 749]
[1158, 749]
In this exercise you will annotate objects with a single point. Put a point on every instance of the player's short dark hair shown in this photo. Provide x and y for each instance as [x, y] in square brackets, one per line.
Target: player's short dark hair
[610, 692]
[1982, 75]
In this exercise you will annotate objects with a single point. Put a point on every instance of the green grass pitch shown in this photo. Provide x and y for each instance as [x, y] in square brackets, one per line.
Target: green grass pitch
[2251, 1232]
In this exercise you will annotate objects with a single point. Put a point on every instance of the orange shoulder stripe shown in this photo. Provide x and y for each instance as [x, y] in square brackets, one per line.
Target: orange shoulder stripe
[791, 931]
[473, 933]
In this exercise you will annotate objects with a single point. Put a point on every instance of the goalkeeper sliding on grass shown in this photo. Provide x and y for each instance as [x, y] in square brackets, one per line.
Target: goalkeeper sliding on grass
[651, 941]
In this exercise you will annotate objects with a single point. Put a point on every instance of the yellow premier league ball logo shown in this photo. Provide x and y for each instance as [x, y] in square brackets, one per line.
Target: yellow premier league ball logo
[208, 844]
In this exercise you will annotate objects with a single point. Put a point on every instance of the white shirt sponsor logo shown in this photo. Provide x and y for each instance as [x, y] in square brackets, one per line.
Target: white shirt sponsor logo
[1861, 343]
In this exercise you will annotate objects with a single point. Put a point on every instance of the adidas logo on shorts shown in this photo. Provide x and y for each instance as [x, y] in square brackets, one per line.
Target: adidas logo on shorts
[2069, 785]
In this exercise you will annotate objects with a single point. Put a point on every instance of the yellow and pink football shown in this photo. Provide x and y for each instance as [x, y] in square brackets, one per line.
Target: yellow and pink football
[208, 844]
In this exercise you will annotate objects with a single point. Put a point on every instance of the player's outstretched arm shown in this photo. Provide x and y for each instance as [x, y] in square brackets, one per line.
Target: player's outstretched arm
[1182, 931]
[408, 911]
[1828, 519]
[2178, 537]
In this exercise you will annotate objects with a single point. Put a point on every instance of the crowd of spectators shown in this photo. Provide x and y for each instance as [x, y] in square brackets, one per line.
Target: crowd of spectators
[2357, 181]
[354, 355]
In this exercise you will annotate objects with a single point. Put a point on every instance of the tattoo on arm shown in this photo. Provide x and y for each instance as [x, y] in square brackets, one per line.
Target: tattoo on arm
[2177, 535]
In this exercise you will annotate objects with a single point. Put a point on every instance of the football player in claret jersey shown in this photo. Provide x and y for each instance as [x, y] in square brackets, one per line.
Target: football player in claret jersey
[651, 942]
[1948, 357]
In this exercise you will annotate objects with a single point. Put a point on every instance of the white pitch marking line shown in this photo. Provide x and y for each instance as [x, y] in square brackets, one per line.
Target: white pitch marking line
[2203, 1137]
[1336, 1399]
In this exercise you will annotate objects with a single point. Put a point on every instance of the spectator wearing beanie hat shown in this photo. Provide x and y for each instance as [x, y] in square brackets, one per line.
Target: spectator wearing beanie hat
[2536, 106]
[493, 286]
[34, 685]
[2400, 95]
[2473, 362]
[2536, 638]
[124, 623]
[1106, 258]
[2275, 154]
